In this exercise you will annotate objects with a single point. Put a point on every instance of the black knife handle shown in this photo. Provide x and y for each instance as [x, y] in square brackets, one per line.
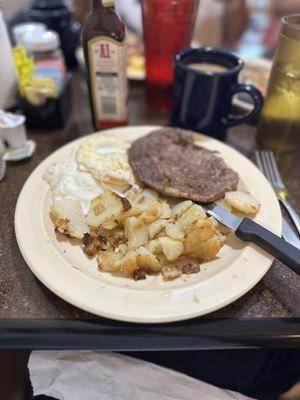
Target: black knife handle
[250, 231]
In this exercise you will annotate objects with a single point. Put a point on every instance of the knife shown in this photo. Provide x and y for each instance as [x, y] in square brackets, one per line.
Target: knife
[289, 235]
[249, 231]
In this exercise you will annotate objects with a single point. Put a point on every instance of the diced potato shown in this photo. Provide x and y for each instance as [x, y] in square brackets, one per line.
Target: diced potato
[165, 212]
[129, 224]
[141, 201]
[209, 249]
[171, 248]
[108, 261]
[175, 232]
[155, 247]
[161, 234]
[199, 231]
[116, 237]
[203, 240]
[108, 209]
[136, 232]
[156, 227]
[93, 243]
[214, 222]
[170, 273]
[69, 218]
[224, 230]
[133, 212]
[123, 248]
[146, 198]
[147, 261]
[143, 234]
[243, 202]
[128, 264]
[133, 193]
[194, 213]
[181, 208]
[162, 259]
[152, 213]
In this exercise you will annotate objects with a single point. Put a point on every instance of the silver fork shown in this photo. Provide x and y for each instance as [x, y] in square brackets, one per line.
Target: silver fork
[267, 164]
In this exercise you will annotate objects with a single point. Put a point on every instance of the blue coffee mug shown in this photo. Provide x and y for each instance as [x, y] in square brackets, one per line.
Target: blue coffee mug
[203, 98]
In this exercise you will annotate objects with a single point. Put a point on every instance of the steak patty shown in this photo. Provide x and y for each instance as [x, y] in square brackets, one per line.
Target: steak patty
[168, 161]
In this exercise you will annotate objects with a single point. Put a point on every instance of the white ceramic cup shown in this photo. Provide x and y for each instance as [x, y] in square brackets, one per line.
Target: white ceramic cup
[12, 130]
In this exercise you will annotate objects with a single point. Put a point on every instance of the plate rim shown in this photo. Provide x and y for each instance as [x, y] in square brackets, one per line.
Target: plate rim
[109, 314]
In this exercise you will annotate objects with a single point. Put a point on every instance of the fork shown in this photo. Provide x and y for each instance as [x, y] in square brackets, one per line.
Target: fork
[267, 164]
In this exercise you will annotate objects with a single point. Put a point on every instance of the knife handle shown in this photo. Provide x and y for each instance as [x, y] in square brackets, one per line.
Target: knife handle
[250, 231]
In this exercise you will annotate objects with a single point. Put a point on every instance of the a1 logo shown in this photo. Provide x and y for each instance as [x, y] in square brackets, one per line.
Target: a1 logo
[104, 50]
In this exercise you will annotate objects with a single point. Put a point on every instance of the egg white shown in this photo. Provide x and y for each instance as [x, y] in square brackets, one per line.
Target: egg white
[67, 182]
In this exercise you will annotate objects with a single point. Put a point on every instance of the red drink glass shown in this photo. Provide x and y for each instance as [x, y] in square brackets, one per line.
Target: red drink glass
[168, 29]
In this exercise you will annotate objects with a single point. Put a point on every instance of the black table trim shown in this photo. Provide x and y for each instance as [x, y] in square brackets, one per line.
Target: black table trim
[106, 335]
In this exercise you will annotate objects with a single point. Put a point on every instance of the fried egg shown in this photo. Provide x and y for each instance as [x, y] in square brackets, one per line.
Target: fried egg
[66, 182]
[105, 158]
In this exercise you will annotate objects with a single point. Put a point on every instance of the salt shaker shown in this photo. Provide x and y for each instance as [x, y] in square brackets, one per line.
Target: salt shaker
[8, 76]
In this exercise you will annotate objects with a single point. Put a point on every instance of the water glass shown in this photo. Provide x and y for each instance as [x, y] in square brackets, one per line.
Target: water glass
[279, 125]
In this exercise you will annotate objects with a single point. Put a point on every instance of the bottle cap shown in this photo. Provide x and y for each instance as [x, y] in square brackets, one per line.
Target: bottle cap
[19, 31]
[46, 41]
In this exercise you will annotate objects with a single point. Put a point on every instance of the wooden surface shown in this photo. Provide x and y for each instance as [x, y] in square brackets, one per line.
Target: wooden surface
[23, 296]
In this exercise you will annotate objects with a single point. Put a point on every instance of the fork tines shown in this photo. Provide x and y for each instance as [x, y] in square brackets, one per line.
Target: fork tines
[267, 164]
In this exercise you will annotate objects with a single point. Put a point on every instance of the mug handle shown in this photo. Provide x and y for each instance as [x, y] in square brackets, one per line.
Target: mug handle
[258, 101]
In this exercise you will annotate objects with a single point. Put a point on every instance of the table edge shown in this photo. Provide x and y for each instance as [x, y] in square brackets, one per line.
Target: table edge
[107, 335]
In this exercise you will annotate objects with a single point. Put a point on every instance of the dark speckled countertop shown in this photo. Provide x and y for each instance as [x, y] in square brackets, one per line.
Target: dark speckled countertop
[26, 305]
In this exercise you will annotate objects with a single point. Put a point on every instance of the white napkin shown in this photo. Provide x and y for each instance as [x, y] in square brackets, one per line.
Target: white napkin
[68, 375]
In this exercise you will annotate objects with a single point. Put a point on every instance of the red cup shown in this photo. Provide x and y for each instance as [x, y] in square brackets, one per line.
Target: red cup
[168, 29]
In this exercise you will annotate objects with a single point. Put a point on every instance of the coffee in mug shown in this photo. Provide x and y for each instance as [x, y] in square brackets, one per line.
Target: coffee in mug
[207, 67]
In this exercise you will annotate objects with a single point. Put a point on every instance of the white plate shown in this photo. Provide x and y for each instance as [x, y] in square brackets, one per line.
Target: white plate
[66, 271]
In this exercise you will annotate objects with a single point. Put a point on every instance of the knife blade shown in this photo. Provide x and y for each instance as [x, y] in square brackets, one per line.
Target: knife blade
[289, 235]
[250, 231]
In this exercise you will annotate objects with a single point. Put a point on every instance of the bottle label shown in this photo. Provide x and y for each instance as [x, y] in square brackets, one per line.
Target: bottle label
[107, 59]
